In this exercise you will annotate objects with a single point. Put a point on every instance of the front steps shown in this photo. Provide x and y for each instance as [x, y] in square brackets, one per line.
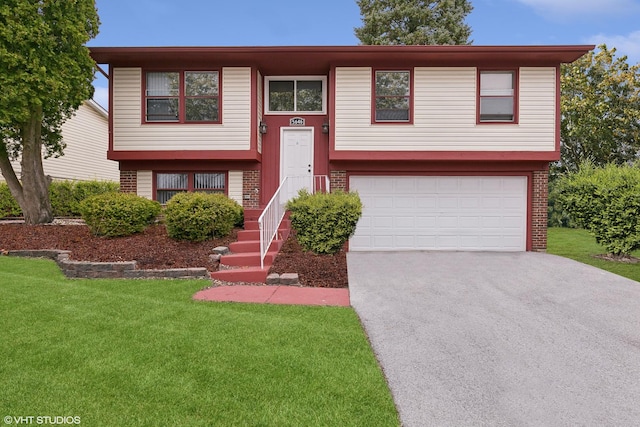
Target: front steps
[243, 263]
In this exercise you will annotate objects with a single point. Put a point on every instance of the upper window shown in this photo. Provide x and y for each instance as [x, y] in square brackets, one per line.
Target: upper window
[182, 96]
[168, 184]
[295, 95]
[393, 96]
[497, 96]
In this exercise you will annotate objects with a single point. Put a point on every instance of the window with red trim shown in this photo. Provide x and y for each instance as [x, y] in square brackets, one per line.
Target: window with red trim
[182, 96]
[497, 97]
[392, 94]
[169, 184]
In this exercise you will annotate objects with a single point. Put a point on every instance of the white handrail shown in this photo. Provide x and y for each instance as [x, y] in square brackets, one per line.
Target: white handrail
[271, 217]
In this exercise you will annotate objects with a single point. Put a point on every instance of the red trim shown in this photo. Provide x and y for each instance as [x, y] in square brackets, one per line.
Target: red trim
[438, 167]
[181, 97]
[253, 139]
[292, 60]
[110, 149]
[350, 155]
[558, 108]
[185, 155]
[186, 165]
[516, 97]
[374, 96]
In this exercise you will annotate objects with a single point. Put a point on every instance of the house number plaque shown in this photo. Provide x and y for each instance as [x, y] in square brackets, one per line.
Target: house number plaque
[296, 121]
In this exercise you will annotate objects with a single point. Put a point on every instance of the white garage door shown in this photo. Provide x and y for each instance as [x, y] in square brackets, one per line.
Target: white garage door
[441, 213]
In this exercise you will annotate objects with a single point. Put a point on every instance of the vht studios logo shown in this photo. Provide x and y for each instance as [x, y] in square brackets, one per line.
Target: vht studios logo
[42, 420]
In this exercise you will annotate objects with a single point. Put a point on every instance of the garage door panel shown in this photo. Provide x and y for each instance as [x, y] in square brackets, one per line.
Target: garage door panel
[426, 202]
[401, 222]
[441, 213]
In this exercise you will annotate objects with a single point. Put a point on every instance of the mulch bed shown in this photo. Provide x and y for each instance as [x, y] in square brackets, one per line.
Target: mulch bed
[154, 249]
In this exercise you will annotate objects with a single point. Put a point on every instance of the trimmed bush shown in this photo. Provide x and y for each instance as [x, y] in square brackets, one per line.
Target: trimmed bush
[118, 214]
[65, 196]
[200, 216]
[606, 202]
[324, 222]
[9, 207]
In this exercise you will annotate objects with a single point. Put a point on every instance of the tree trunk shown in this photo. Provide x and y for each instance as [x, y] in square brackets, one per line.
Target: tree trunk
[33, 193]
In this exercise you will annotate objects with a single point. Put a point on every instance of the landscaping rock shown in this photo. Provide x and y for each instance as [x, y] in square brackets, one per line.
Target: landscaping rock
[273, 279]
[221, 250]
[289, 279]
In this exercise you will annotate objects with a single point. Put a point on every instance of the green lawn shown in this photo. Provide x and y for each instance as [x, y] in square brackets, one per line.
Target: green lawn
[142, 353]
[581, 246]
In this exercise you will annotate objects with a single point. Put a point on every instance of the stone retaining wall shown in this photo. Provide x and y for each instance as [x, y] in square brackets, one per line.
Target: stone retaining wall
[109, 270]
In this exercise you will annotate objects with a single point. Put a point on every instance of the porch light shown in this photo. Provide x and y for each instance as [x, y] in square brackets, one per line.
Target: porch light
[325, 127]
[262, 127]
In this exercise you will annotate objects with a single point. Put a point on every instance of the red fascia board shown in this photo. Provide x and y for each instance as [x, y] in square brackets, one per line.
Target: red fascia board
[238, 155]
[546, 156]
[319, 59]
[405, 168]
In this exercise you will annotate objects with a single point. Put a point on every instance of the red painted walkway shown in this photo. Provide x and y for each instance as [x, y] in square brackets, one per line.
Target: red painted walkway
[292, 295]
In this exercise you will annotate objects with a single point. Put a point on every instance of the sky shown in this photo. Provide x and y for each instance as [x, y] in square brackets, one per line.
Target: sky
[331, 22]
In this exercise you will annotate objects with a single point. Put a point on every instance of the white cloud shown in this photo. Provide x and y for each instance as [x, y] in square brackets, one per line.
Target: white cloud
[101, 96]
[553, 8]
[628, 45]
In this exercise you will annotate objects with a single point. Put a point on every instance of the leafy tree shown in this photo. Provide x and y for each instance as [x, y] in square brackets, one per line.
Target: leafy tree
[605, 201]
[600, 110]
[414, 22]
[45, 74]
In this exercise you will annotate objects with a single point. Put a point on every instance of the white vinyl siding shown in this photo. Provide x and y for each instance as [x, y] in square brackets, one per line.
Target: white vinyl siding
[444, 106]
[129, 134]
[85, 157]
[235, 186]
[145, 184]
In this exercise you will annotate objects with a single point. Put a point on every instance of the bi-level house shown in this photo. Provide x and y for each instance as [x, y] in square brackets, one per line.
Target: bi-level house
[448, 146]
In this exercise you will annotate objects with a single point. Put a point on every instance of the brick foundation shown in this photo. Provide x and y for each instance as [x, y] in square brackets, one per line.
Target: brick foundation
[338, 180]
[539, 210]
[251, 183]
[129, 182]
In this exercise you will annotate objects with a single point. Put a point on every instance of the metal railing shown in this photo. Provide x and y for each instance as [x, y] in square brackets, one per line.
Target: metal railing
[271, 217]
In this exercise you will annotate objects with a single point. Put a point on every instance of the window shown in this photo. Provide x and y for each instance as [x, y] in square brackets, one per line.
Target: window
[295, 95]
[182, 97]
[497, 100]
[392, 96]
[168, 184]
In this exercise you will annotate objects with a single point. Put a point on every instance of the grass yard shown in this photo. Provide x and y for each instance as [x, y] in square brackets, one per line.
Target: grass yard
[581, 246]
[142, 353]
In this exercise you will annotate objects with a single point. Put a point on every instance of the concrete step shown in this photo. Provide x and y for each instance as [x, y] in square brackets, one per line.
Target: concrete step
[247, 259]
[250, 274]
[253, 246]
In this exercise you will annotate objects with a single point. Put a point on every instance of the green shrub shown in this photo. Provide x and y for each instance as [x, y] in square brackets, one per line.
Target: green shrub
[324, 222]
[200, 216]
[557, 215]
[118, 214]
[66, 196]
[9, 207]
[606, 202]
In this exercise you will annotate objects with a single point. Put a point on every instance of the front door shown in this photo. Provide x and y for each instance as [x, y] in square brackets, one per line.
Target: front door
[296, 159]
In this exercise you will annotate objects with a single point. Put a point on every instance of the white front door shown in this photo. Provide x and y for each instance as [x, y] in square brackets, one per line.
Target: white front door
[296, 159]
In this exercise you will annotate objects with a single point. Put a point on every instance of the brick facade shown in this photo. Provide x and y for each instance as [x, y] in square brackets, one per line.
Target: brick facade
[251, 183]
[338, 180]
[129, 182]
[539, 210]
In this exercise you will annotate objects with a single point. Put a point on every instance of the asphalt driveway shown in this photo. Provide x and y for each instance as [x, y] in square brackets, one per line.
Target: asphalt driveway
[513, 339]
